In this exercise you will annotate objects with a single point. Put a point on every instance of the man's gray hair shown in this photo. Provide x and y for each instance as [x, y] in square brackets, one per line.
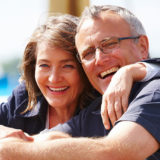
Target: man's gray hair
[94, 11]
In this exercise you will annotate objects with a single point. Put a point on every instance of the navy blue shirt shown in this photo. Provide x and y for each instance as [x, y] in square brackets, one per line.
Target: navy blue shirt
[31, 122]
[87, 124]
[144, 109]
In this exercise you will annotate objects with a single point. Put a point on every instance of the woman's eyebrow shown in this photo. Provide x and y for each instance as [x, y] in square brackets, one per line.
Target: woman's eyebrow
[68, 60]
[42, 60]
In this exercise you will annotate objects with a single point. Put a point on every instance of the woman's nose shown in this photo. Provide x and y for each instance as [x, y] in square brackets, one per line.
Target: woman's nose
[54, 76]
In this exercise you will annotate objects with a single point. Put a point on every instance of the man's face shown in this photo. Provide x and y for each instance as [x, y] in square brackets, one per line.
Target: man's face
[101, 68]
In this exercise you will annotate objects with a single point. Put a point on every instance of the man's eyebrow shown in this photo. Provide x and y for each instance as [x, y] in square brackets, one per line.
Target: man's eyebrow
[87, 48]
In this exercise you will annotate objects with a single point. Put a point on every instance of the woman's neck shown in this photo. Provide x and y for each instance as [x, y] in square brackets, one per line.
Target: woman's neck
[57, 116]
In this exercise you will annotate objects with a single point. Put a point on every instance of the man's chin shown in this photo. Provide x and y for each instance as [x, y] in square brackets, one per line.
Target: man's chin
[104, 85]
[102, 89]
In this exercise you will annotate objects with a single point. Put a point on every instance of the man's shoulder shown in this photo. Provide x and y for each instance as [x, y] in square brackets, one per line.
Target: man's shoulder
[153, 60]
[144, 107]
[145, 89]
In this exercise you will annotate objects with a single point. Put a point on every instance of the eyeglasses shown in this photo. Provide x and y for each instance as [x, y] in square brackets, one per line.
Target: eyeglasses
[108, 45]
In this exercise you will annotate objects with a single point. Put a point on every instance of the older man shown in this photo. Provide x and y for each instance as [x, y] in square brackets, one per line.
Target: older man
[108, 38]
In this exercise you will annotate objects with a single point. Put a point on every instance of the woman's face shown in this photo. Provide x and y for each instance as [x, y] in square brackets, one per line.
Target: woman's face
[58, 77]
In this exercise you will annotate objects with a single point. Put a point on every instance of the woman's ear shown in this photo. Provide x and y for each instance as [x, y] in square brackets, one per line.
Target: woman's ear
[143, 45]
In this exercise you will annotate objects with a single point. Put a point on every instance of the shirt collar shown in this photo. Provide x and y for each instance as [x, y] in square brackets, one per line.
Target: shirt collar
[39, 109]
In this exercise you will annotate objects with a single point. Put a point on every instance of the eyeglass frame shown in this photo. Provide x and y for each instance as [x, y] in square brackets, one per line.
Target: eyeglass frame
[119, 39]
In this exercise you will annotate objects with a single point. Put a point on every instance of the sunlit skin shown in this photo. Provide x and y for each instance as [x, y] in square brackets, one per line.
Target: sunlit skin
[58, 78]
[92, 32]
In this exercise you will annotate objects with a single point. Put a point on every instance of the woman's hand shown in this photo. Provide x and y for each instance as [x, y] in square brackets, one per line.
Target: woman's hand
[115, 98]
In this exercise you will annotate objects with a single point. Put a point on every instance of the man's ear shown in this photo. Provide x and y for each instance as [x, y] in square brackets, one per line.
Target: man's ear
[143, 45]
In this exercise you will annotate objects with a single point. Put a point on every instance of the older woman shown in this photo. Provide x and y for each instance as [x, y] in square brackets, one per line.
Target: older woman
[54, 87]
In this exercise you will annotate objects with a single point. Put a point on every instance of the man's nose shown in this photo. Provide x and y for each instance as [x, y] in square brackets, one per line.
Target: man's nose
[99, 57]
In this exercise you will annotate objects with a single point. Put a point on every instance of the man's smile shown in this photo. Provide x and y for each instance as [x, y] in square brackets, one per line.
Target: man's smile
[108, 72]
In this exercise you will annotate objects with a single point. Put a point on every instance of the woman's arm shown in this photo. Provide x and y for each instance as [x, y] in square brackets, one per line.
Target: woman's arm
[115, 98]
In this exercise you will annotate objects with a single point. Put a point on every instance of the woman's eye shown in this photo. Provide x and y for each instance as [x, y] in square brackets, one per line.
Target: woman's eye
[68, 66]
[43, 65]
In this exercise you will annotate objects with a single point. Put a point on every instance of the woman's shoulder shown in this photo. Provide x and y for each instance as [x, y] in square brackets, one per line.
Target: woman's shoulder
[20, 92]
[18, 97]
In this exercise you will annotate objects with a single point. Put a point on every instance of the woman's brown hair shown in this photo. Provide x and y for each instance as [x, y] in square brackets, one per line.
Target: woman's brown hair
[58, 31]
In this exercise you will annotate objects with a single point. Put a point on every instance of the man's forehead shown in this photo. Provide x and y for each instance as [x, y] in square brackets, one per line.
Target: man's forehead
[85, 29]
[103, 17]
[107, 22]
[107, 13]
[87, 22]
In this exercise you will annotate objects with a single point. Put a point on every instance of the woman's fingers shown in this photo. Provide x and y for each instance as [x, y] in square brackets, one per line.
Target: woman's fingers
[118, 108]
[124, 101]
[104, 114]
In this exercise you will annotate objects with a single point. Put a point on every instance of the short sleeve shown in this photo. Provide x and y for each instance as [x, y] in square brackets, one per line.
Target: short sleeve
[145, 108]
[152, 70]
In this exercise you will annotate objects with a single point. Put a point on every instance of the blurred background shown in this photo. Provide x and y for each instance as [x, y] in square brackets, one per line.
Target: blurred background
[19, 18]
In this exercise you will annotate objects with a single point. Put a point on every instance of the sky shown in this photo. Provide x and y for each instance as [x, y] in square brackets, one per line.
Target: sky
[18, 19]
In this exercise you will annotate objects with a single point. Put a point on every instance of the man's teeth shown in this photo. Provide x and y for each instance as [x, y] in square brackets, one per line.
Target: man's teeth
[105, 73]
[58, 89]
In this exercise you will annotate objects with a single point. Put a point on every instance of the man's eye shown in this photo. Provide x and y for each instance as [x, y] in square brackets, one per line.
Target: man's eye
[109, 45]
[88, 54]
